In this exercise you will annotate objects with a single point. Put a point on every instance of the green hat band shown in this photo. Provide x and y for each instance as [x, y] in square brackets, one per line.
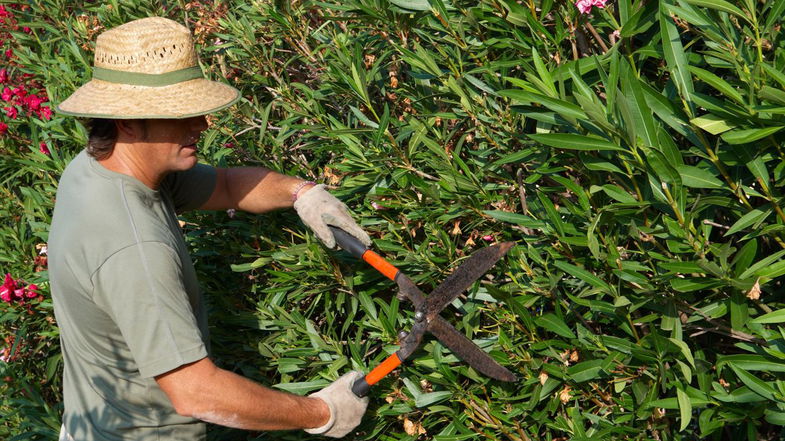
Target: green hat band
[143, 79]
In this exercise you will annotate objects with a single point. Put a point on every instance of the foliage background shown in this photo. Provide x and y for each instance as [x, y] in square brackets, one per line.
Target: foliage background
[634, 154]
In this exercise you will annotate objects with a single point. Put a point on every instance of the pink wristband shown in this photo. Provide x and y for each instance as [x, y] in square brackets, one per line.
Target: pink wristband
[300, 187]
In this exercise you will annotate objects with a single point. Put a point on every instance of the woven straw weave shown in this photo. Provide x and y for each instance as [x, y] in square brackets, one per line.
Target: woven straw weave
[152, 45]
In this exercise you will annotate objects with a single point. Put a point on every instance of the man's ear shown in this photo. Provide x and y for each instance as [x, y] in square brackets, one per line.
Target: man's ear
[131, 129]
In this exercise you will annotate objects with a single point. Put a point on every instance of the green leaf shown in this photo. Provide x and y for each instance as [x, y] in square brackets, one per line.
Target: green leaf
[582, 274]
[585, 370]
[718, 83]
[755, 384]
[752, 362]
[746, 136]
[696, 177]
[618, 194]
[763, 263]
[553, 323]
[695, 284]
[720, 5]
[685, 350]
[258, 263]
[753, 217]
[575, 142]
[562, 107]
[412, 5]
[777, 316]
[515, 218]
[685, 408]
[673, 50]
[758, 168]
[712, 124]
[543, 72]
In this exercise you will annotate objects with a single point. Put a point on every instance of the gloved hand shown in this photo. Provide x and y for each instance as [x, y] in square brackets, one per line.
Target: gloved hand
[346, 408]
[318, 209]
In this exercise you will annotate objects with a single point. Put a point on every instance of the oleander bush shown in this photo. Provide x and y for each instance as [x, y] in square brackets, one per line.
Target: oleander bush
[632, 149]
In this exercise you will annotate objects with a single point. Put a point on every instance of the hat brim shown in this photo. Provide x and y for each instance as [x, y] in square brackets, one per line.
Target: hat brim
[102, 99]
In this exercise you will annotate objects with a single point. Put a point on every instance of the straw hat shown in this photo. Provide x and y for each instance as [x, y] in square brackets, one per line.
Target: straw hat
[147, 68]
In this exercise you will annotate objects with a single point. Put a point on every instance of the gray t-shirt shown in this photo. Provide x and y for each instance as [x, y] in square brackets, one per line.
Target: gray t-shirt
[126, 299]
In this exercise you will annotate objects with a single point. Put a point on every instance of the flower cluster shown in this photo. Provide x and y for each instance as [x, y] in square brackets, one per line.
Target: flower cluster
[20, 93]
[16, 291]
[584, 6]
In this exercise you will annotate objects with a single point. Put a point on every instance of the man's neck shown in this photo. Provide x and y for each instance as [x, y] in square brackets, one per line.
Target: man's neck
[124, 160]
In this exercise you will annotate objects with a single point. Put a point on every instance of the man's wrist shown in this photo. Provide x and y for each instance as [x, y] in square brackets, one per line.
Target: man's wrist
[301, 188]
[325, 416]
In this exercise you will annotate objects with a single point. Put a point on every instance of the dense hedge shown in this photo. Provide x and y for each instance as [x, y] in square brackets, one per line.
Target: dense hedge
[633, 152]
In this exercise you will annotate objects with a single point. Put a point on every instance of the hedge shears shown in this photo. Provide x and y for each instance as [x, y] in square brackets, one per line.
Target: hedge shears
[427, 309]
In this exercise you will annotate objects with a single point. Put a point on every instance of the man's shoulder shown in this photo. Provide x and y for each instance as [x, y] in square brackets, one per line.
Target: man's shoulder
[101, 212]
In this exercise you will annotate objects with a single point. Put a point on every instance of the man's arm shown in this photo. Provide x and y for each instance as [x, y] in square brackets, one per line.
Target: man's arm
[253, 189]
[259, 190]
[204, 391]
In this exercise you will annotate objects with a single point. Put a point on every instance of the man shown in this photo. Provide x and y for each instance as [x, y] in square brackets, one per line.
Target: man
[131, 315]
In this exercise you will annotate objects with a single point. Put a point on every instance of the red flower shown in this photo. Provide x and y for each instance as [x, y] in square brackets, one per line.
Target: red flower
[7, 94]
[32, 291]
[20, 92]
[27, 30]
[46, 113]
[45, 150]
[3, 76]
[3, 12]
[3, 128]
[9, 53]
[8, 287]
[33, 102]
[11, 112]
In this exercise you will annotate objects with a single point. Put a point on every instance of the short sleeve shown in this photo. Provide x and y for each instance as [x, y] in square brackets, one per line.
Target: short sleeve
[141, 289]
[190, 189]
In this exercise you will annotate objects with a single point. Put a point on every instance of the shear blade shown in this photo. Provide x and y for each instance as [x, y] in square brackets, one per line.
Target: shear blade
[469, 352]
[463, 277]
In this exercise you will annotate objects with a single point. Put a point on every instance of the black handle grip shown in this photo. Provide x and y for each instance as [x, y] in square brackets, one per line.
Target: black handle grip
[361, 387]
[348, 242]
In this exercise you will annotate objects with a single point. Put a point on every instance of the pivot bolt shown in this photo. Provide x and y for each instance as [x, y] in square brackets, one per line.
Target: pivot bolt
[402, 335]
[419, 316]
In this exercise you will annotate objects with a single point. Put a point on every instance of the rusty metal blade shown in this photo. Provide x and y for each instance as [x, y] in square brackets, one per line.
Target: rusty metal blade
[463, 277]
[469, 352]
[412, 340]
[408, 290]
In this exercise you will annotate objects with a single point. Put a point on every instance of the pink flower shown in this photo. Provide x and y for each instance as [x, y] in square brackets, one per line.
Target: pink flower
[32, 291]
[46, 113]
[487, 238]
[11, 112]
[5, 294]
[584, 6]
[45, 150]
[9, 53]
[27, 30]
[20, 92]
[3, 128]
[7, 94]
[3, 12]
[33, 102]
[3, 76]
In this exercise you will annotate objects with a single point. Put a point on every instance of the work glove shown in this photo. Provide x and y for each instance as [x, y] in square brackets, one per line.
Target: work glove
[318, 209]
[346, 408]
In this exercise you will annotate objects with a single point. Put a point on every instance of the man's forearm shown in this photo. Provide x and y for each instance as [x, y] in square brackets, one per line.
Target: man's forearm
[204, 391]
[253, 189]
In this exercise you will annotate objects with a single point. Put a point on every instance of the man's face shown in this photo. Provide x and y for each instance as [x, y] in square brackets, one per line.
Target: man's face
[170, 144]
